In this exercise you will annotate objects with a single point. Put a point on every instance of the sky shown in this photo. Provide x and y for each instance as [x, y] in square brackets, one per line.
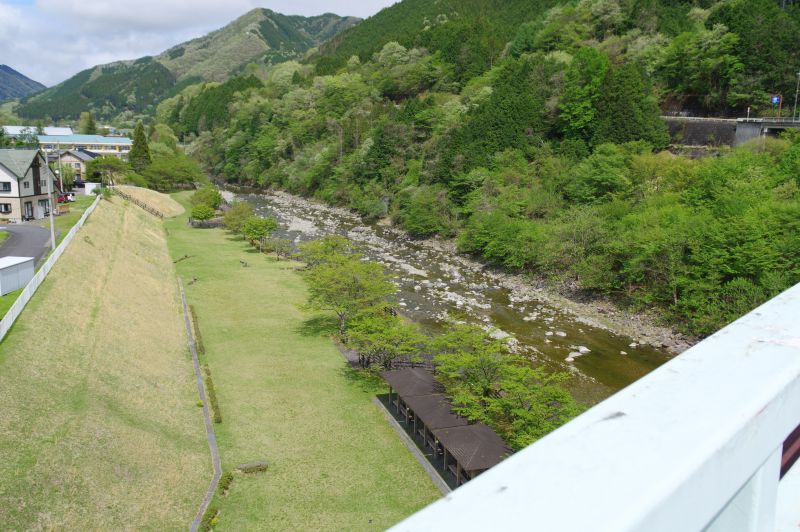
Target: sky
[51, 40]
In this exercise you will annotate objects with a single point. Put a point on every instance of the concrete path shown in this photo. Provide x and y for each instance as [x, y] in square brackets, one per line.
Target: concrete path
[25, 240]
[210, 435]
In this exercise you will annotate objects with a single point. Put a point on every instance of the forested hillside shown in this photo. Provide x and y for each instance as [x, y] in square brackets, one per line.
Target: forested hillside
[15, 85]
[124, 91]
[546, 157]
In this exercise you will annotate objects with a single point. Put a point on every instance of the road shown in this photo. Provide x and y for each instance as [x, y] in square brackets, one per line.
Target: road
[25, 240]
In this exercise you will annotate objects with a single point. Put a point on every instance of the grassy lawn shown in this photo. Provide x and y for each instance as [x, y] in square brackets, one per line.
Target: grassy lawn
[64, 222]
[99, 428]
[286, 397]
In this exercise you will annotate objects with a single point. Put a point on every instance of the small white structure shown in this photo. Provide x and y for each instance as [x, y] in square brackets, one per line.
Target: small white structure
[89, 190]
[15, 273]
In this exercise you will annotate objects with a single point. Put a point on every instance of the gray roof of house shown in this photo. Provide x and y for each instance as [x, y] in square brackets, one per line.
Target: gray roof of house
[17, 161]
[83, 155]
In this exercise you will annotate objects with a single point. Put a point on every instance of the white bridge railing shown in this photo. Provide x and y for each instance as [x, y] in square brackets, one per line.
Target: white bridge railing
[38, 278]
[694, 445]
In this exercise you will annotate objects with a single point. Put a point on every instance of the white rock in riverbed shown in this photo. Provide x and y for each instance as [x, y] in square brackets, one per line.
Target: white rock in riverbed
[623, 353]
[584, 350]
[562, 334]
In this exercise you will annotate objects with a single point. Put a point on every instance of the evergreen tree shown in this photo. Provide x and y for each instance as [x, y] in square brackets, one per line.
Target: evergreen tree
[626, 111]
[582, 84]
[86, 124]
[140, 152]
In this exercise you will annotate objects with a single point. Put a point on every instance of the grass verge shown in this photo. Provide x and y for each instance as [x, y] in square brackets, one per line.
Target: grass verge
[335, 463]
[158, 201]
[99, 428]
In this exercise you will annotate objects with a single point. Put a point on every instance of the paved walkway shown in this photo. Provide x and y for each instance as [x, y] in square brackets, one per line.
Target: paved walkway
[210, 435]
[25, 240]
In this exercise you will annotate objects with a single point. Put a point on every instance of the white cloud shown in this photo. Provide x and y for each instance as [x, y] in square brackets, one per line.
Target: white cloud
[51, 40]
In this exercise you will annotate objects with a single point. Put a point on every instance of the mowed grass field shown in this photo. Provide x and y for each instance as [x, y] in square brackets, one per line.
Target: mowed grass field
[99, 427]
[285, 397]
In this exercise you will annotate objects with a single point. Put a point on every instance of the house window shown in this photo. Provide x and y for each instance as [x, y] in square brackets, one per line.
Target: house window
[5, 208]
[5, 186]
[43, 183]
[26, 184]
[77, 165]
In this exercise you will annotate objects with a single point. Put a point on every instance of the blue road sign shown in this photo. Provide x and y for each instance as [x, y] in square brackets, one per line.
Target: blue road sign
[776, 100]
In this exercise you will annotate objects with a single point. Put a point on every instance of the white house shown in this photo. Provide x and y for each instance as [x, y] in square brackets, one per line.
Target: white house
[24, 176]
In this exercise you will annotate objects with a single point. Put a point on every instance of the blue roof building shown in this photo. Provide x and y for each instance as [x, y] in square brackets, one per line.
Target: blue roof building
[118, 146]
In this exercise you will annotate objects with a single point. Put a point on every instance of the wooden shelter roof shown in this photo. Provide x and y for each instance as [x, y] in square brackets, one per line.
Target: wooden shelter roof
[475, 447]
[435, 411]
[410, 382]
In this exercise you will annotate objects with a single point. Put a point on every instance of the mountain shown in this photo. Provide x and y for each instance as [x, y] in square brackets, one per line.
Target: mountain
[15, 85]
[425, 23]
[135, 87]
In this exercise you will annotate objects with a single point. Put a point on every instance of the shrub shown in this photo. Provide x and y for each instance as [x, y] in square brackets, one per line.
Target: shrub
[207, 196]
[209, 518]
[225, 482]
[237, 215]
[212, 396]
[202, 212]
[198, 338]
[281, 247]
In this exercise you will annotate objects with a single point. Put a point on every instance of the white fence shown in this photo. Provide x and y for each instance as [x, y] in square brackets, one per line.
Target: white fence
[38, 278]
[695, 445]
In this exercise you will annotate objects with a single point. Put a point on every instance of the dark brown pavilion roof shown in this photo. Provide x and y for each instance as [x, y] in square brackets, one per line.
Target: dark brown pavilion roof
[410, 382]
[475, 447]
[435, 411]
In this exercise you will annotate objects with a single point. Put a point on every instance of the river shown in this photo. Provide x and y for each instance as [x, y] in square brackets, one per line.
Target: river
[437, 285]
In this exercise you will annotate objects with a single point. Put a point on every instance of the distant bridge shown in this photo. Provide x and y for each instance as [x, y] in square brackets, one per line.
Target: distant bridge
[750, 128]
[698, 131]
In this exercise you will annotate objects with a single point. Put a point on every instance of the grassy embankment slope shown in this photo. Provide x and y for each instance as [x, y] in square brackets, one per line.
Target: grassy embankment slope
[99, 428]
[285, 397]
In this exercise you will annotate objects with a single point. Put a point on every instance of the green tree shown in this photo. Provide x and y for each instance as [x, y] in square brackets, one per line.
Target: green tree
[108, 169]
[626, 110]
[330, 249]
[582, 85]
[491, 385]
[255, 229]
[237, 215]
[380, 337]
[86, 124]
[139, 156]
[202, 212]
[705, 65]
[66, 175]
[173, 173]
[207, 196]
[347, 286]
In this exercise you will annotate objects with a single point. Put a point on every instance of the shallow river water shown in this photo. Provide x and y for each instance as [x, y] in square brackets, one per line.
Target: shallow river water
[436, 285]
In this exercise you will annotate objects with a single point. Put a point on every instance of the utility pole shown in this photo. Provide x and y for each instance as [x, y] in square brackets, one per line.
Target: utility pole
[796, 92]
[50, 200]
